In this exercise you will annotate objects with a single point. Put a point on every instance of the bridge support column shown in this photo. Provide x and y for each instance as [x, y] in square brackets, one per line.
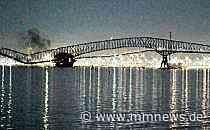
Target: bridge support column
[164, 63]
[165, 58]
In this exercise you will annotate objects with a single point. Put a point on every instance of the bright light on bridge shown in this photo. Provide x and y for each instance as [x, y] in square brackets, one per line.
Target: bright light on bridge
[8, 62]
[130, 60]
[47, 57]
[155, 51]
[146, 60]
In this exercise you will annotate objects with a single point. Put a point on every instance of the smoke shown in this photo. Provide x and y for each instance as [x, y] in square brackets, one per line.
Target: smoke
[33, 39]
[37, 40]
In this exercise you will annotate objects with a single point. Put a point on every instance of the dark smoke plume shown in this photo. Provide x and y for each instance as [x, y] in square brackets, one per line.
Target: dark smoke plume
[37, 41]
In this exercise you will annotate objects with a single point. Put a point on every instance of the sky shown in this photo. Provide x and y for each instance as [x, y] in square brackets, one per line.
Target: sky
[66, 21]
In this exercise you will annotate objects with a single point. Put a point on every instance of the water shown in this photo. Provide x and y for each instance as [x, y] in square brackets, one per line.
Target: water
[34, 98]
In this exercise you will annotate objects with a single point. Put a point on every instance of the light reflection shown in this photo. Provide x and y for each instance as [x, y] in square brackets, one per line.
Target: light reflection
[154, 89]
[84, 84]
[82, 88]
[2, 96]
[124, 89]
[141, 89]
[10, 97]
[2, 90]
[197, 88]
[137, 87]
[98, 89]
[114, 100]
[173, 97]
[120, 89]
[186, 96]
[121, 76]
[83, 91]
[173, 90]
[90, 86]
[46, 99]
[130, 89]
[205, 95]
[186, 90]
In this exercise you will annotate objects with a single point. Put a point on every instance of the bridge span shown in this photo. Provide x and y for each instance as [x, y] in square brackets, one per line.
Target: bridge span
[65, 56]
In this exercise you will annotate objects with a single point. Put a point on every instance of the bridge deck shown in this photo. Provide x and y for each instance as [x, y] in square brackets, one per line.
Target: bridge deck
[153, 44]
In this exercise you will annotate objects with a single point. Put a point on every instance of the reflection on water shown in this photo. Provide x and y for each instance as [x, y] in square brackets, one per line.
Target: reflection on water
[33, 98]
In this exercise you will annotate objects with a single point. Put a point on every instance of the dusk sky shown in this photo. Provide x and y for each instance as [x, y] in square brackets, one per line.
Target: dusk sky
[92, 20]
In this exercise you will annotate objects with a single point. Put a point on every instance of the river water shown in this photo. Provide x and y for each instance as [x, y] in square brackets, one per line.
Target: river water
[35, 98]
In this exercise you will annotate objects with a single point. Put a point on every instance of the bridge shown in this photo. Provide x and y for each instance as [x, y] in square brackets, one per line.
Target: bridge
[65, 56]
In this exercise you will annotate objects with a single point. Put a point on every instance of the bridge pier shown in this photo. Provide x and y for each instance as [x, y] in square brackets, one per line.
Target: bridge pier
[165, 58]
[164, 63]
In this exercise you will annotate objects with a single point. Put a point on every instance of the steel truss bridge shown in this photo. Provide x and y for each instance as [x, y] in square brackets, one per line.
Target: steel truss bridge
[63, 55]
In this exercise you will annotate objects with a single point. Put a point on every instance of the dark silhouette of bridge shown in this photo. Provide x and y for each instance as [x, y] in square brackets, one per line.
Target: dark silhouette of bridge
[65, 55]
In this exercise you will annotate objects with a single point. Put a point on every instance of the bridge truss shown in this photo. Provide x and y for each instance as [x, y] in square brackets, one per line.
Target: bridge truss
[164, 47]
